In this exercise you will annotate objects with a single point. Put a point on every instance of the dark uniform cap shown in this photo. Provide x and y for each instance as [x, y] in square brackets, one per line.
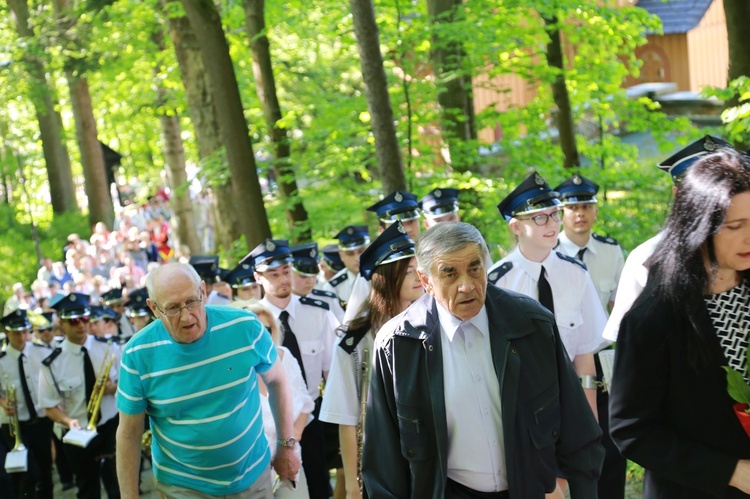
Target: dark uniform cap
[331, 257]
[268, 255]
[112, 296]
[136, 305]
[677, 164]
[577, 190]
[241, 276]
[223, 273]
[108, 313]
[439, 202]
[398, 205]
[16, 321]
[531, 196]
[207, 267]
[353, 237]
[97, 313]
[50, 318]
[391, 245]
[305, 259]
[72, 306]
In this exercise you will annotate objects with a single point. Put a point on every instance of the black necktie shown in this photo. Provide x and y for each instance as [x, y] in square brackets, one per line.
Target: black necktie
[290, 341]
[88, 373]
[545, 292]
[580, 253]
[25, 388]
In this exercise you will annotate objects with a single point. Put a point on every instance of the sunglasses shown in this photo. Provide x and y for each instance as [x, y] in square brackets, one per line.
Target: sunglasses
[77, 320]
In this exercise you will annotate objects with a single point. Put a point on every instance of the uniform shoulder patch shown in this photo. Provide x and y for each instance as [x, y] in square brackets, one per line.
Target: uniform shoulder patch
[352, 338]
[103, 340]
[321, 292]
[605, 239]
[57, 351]
[571, 260]
[338, 280]
[499, 272]
[40, 345]
[315, 303]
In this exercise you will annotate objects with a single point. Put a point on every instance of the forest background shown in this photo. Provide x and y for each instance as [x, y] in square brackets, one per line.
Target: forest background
[343, 102]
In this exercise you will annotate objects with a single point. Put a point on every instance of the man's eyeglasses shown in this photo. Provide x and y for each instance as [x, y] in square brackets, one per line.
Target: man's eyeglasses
[75, 321]
[542, 218]
[190, 306]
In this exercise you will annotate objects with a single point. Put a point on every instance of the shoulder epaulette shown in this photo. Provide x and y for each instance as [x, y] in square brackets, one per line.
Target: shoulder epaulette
[496, 274]
[57, 351]
[605, 239]
[103, 340]
[315, 303]
[352, 338]
[321, 292]
[40, 345]
[338, 280]
[571, 260]
[3, 354]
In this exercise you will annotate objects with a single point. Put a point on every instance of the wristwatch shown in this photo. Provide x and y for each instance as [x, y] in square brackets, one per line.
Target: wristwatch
[286, 442]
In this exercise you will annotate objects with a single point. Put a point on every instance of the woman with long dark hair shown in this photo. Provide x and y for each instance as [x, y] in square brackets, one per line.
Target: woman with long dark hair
[669, 406]
[390, 266]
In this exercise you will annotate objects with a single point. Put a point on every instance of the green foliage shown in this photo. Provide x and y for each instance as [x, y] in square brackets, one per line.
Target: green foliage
[736, 119]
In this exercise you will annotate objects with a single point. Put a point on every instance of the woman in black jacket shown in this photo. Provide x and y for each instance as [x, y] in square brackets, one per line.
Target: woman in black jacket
[669, 407]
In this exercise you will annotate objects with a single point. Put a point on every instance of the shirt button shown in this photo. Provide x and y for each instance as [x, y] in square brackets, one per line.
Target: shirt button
[410, 453]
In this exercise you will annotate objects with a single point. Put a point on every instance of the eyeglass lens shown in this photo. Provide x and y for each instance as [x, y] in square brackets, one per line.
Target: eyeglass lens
[542, 218]
[75, 321]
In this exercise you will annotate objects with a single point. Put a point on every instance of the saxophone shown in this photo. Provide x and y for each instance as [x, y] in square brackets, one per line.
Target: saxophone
[13, 424]
[363, 386]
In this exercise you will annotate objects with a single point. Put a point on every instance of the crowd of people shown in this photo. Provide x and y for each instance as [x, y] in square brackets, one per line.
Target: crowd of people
[409, 363]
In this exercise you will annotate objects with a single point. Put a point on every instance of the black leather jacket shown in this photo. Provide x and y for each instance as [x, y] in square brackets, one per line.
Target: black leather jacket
[547, 424]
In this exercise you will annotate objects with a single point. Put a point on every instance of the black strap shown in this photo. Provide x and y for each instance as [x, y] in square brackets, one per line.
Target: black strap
[88, 373]
[25, 388]
[455, 490]
[580, 253]
[545, 292]
[290, 341]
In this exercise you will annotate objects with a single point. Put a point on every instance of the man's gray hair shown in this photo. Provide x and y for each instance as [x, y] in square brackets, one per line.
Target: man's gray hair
[155, 275]
[448, 237]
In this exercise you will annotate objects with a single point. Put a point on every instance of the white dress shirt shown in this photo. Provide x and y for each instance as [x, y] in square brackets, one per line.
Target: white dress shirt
[604, 260]
[632, 282]
[342, 402]
[476, 450]
[341, 286]
[314, 328]
[578, 312]
[33, 356]
[63, 382]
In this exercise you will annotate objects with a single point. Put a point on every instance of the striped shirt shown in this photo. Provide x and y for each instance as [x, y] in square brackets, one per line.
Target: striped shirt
[202, 400]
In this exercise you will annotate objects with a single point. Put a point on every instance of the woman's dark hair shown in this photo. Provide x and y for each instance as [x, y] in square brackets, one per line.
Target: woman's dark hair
[384, 301]
[677, 269]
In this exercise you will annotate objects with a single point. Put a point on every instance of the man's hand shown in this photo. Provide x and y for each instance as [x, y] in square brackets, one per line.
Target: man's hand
[110, 388]
[73, 424]
[286, 463]
[10, 410]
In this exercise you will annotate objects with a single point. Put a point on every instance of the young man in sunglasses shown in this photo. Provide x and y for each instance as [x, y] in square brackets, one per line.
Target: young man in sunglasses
[560, 283]
[66, 385]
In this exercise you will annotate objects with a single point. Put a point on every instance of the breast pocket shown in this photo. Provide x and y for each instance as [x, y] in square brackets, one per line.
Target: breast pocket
[413, 431]
[68, 386]
[606, 286]
[311, 349]
[568, 323]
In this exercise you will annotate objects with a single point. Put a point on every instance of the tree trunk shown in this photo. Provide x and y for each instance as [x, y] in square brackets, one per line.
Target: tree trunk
[383, 125]
[56, 158]
[454, 86]
[248, 199]
[564, 114]
[737, 13]
[92, 156]
[202, 113]
[265, 85]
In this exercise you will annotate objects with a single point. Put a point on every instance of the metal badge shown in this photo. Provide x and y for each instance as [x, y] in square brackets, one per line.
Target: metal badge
[577, 179]
[213, 266]
[350, 341]
[318, 302]
[245, 266]
[270, 245]
[73, 298]
[538, 180]
[398, 197]
[709, 145]
[350, 230]
[493, 276]
[401, 229]
[438, 193]
[313, 253]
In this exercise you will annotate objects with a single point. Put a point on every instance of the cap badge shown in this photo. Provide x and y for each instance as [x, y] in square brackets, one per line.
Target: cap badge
[350, 231]
[270, 245]
[538, 180]
[438, 193]
[213, 266]
[313, 253]
[72, 297]
[709, 145]
[245, 266]
[577, 179]
[398, 197]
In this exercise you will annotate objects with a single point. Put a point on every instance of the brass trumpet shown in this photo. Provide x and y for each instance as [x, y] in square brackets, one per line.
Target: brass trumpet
[97, 394]
[13, 425]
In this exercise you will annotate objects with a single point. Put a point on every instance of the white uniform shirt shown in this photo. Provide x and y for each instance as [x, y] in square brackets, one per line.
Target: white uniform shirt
[632, 282]
[578, 313]
[604, 260]
[342, 400]
[333, 302]
[314, 328]
[63, 382]
[476, 450]
[125, 328]
[360, 292]
[33, 355]
[341, 284]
